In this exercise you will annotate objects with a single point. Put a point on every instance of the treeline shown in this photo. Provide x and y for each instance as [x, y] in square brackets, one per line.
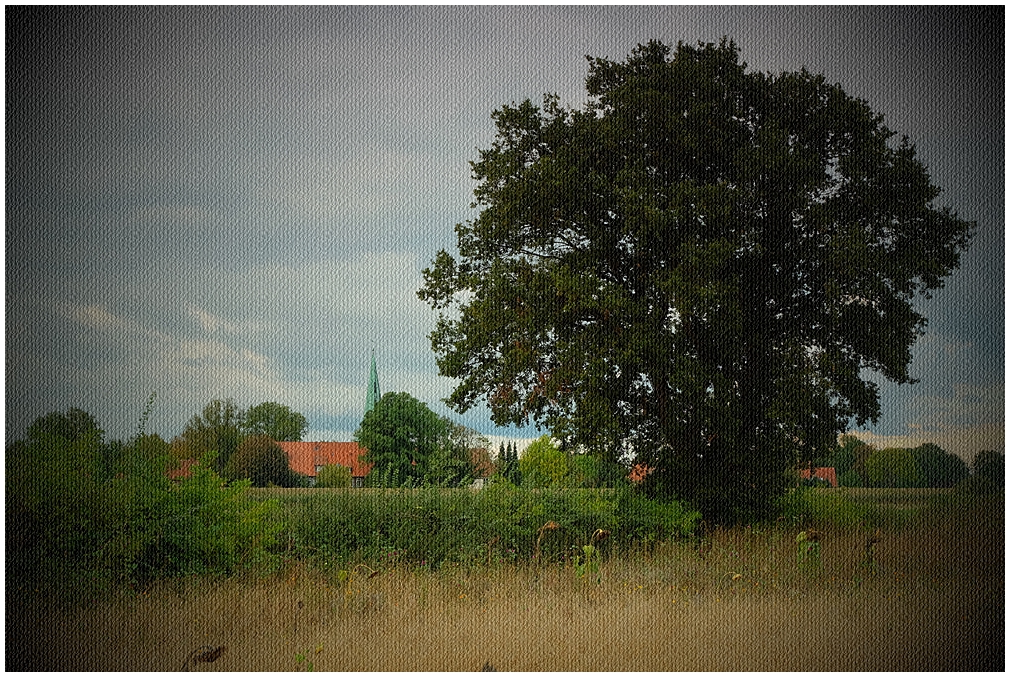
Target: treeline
[411, 446]
[84, 516]
[859, 464]
[244, 441]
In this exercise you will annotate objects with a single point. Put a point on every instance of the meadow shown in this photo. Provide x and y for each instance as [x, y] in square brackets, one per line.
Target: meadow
[898, 580]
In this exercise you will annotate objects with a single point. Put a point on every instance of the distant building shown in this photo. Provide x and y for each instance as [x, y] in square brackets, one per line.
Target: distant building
[184, 470]
[373, 394]
[639, 472]
[308, 458]
[826, 474]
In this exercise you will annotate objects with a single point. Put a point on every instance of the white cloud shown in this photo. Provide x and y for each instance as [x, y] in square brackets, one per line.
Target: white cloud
[212, 323]
[963, 441]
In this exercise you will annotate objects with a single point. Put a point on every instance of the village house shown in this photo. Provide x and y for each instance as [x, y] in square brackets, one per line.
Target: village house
[826, 474]
[308, 458]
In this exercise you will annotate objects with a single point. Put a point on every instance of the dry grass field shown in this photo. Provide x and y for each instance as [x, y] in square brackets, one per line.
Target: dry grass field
[933, 600]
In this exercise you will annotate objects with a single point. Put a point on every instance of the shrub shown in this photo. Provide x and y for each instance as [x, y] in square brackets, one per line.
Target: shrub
[334, 476]
[260, 460]
[73, 532]
[499, 522]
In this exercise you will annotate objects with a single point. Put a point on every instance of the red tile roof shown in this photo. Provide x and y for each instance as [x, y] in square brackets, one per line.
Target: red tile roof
[826, 474]
[304, 457]
[639, 472]
[183, 471]
[483, 466]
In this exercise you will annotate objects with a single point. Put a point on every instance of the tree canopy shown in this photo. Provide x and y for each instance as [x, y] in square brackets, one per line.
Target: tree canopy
[259, 459]
[217, 428]
[542, 464]
[698, 269]
[71, 426]
[277, 421]
[400, 435]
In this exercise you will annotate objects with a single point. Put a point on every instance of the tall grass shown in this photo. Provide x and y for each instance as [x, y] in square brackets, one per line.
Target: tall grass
[739, 603]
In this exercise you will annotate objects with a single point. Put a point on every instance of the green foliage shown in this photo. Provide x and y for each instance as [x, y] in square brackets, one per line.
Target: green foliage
[277, 421]
[454, 461]
[543, 464]
[827, 509]
[808, 551]
[590, 471]
[71, 426]
[508, 464]
[892, 467]
[938, 468]
[216, 429]
[400, 435]
[850, 478]
[699, 264]
[208, 526]
[850, 454]
[587, 563]
[333, 476]
[499, 523]
[990, 466]
[260, 460]
[449, 466]
[73, 529]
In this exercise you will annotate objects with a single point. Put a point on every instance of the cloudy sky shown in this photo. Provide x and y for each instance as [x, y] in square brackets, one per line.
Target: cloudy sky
[210, 203]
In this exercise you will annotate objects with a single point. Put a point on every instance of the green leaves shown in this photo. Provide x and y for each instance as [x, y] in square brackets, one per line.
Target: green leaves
[276, 421]
[401, 435]
[697, 269]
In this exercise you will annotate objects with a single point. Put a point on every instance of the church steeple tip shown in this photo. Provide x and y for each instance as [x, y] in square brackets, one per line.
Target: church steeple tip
[373, 395]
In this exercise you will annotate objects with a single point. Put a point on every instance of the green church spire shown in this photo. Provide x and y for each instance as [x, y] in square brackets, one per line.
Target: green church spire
[373, 387]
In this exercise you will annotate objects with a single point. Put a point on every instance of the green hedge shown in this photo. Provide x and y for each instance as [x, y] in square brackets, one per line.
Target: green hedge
[499, 523]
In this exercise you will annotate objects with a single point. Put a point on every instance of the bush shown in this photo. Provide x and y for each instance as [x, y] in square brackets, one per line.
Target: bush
[498, 523]
[73, 533]
[334, 476]
[260, 460]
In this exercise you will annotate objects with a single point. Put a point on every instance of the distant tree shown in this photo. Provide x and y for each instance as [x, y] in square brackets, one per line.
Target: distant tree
[701, 263]
[507, 463]
[480, 461]
[400, 435]
[590, 471]
[218, 428]
[450, 465]
[514, 474]
[277, 421]
[892, 467]
[71, 426]
[261, 460]
[543, 464]
[937, 467]
[849, 458]
[990, 465]
[334, 476]
[135, 457]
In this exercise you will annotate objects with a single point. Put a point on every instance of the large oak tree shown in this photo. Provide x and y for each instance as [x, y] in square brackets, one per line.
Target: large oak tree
[698, 267]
